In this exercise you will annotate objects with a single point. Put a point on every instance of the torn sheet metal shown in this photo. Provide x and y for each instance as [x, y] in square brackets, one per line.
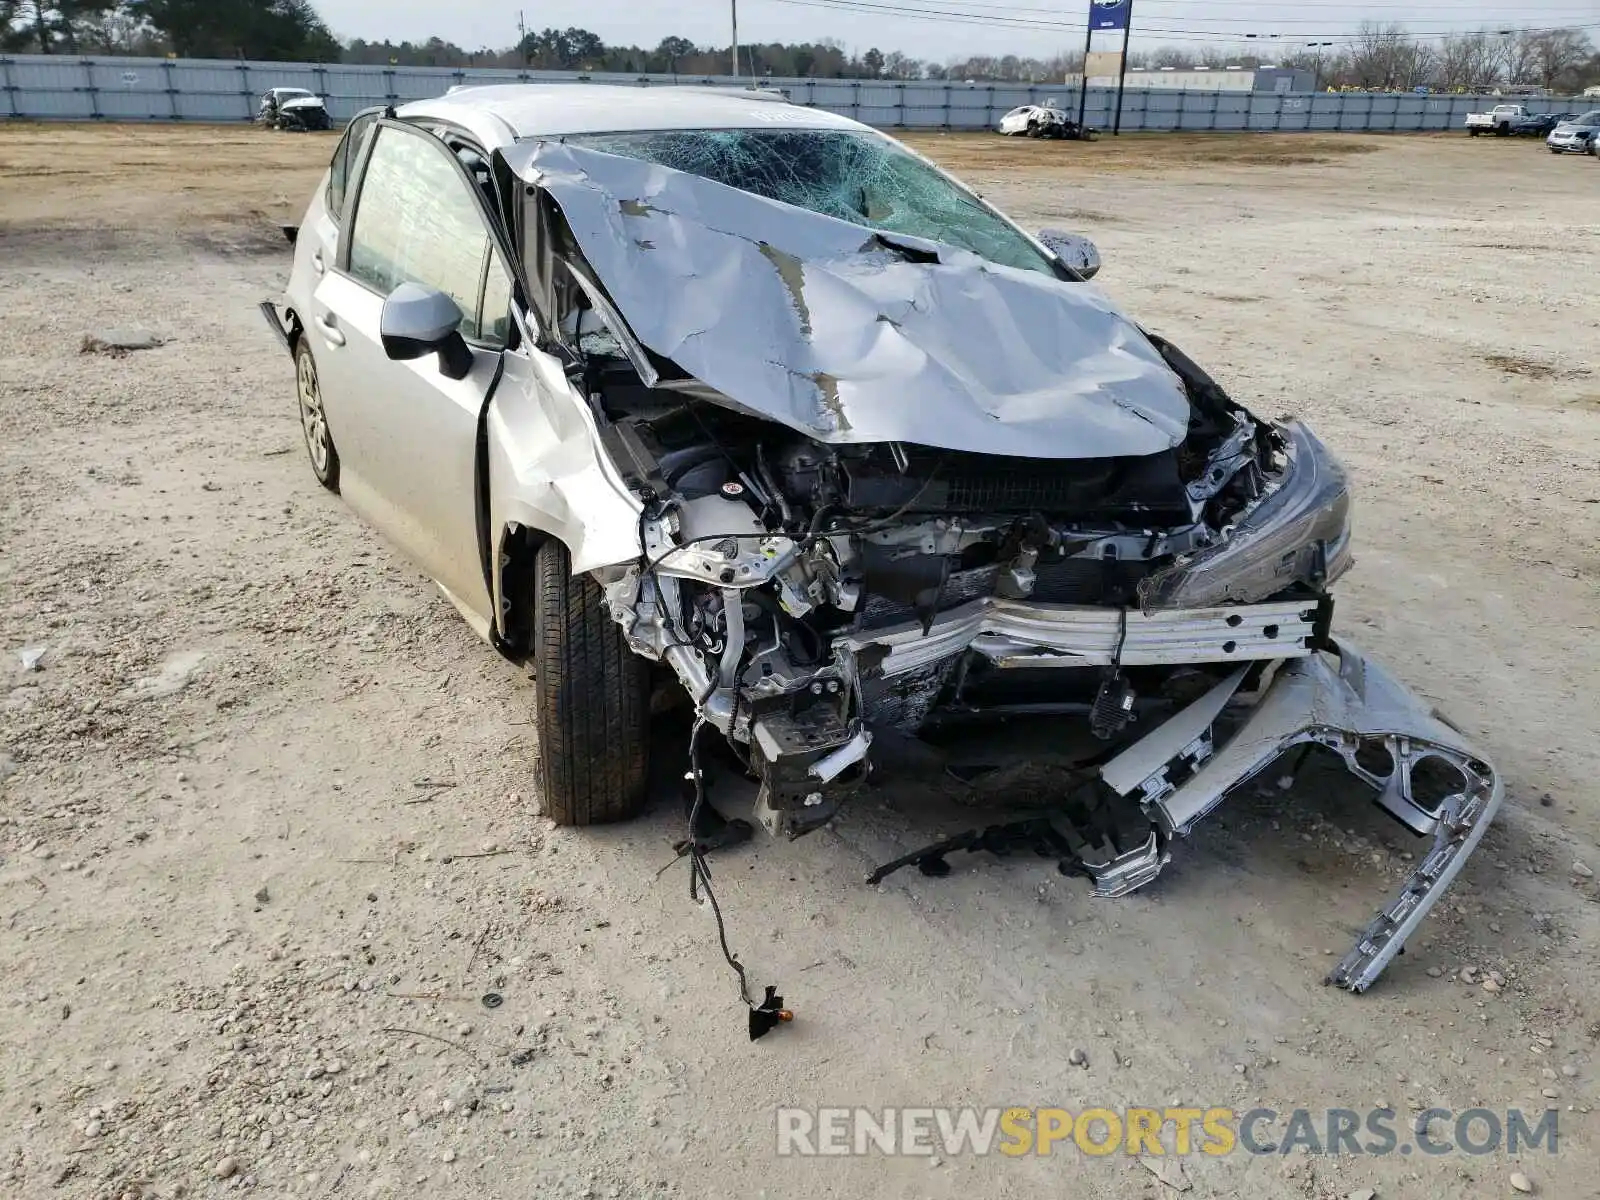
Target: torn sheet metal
[849, 335]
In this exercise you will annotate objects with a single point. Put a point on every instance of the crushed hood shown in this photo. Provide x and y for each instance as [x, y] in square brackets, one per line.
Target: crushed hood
[850, 335]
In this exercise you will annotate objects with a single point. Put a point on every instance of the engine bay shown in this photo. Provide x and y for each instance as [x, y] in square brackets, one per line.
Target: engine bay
[810, 597]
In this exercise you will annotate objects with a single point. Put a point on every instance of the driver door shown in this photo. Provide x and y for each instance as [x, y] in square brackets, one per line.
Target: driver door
[406, 431]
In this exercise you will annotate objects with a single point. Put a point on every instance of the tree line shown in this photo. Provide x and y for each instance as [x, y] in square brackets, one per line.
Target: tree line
[1380, 56]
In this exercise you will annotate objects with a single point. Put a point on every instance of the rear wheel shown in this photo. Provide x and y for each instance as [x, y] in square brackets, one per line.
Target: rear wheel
[593, 699]
[1473, 132]
[314, 418]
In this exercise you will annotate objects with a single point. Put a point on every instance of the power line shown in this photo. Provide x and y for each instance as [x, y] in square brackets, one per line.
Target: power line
[1053, 12]
[1355, 8]
[994, 15]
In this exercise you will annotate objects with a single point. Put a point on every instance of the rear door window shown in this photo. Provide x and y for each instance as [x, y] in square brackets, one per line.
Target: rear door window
[345, 159]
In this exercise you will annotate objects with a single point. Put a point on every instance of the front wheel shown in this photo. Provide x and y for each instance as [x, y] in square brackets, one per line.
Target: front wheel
[592, 694]
[314, 418]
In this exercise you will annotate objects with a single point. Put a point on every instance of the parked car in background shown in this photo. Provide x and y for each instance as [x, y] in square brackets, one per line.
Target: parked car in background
[1498, 120]
[1574, 136]
[294, 109]
[1538, 124]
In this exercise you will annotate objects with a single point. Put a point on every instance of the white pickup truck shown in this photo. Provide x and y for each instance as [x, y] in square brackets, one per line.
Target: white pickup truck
[1498, 120]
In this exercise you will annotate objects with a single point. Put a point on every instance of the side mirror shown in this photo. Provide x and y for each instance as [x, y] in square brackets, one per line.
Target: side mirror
[419, 321]
[1075, 250]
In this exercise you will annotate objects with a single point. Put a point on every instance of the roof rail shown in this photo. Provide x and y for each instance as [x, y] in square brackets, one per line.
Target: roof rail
[749, 92]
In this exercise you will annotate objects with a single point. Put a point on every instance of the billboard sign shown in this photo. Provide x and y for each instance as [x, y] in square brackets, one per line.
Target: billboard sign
[1110, 14]
[1103, 64]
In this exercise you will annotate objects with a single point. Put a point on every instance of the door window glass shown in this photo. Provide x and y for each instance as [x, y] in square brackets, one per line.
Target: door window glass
[344, 160]
[495, 328]
[417, 221]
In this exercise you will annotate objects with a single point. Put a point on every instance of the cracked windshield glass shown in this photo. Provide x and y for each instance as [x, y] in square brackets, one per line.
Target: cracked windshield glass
[855, 177]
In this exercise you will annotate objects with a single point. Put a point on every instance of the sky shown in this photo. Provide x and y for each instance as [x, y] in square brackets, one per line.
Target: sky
[473, 24]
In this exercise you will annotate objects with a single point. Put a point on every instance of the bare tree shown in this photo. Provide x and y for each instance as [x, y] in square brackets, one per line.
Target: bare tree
[1380, 55]
[1555, 52]
[897, 66]
[1518, 58]
[1467, 62]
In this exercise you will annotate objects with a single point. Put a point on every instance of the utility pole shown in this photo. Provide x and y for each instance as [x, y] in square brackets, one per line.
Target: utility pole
[734, 5]
[1122, 76]
[1083, 76]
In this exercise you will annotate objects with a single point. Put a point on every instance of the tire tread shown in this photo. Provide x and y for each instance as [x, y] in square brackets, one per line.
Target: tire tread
[592, 693]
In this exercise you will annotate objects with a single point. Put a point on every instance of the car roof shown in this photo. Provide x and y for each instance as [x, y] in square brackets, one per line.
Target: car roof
[499, 114]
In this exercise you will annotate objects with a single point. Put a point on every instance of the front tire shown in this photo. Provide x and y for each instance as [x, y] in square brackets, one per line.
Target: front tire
[314, 418]
[592, 695]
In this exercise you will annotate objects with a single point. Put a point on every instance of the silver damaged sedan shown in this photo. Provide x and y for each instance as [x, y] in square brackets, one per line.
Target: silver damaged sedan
[705, 388]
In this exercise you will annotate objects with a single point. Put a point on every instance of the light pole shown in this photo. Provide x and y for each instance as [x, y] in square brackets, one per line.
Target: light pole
[734, 6]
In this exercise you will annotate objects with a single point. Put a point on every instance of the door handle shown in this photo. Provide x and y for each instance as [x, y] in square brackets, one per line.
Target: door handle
[317, 264]
[329, 328]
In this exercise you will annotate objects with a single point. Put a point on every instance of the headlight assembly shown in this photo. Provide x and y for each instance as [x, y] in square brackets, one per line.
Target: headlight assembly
[1300, 533]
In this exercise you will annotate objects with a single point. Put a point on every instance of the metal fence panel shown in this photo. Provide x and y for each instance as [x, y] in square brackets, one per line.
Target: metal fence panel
[204, 106]
[208, 78]
[364, 88]
[143, 89]
[258, 77]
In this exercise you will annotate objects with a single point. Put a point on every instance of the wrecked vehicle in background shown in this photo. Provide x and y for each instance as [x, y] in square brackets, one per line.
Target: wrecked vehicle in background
[754, 393]
[1044, 121]
[294, 110]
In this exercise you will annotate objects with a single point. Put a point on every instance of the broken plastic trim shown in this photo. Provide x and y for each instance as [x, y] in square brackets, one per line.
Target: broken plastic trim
[1299, 531]
[1351, 708]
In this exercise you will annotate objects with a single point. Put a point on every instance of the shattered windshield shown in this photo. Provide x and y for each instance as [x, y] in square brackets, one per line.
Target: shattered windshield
[857, 177]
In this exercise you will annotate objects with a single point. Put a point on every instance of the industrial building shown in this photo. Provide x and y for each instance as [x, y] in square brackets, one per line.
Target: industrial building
[1214, 79]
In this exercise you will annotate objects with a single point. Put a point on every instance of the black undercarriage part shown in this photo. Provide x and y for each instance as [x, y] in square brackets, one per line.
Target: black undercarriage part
[1092, 828]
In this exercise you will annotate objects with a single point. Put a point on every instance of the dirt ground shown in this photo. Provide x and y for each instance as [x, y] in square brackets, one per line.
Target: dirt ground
[267, 825]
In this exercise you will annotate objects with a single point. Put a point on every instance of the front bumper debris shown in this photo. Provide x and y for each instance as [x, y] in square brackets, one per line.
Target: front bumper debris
[1428, 775]
[269, 310]
[1425, 772]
